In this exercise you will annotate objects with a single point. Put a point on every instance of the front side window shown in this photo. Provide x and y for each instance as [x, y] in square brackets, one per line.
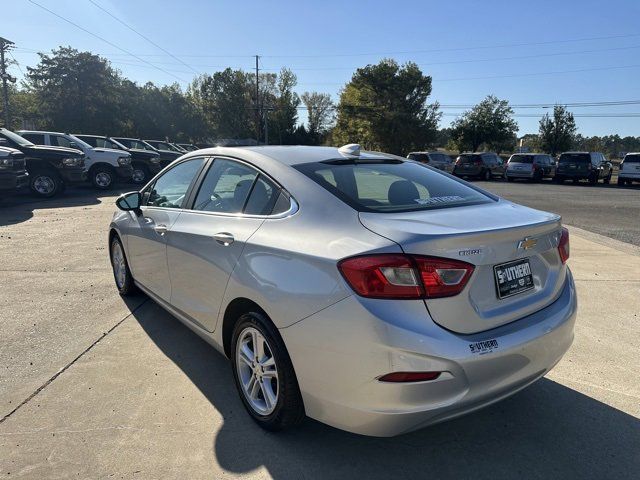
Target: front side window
[170, 189]
[390, 186]
[59, 141]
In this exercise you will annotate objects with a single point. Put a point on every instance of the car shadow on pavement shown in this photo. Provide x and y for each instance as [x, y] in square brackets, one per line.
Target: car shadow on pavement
[546, 431]
[19, 208]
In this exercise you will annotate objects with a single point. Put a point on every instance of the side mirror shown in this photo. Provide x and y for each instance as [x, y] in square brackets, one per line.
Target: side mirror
[130, 202]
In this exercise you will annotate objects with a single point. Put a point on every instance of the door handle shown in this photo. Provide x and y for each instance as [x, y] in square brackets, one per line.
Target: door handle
[224, 238]
[160, 229]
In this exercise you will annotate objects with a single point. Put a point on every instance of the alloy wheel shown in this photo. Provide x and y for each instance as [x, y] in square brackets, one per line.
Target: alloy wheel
[119, 265]
[44, 185]
[103, 179]
[257, 371]
[138, 175]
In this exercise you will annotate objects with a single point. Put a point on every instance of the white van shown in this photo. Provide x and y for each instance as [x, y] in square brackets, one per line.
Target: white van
[629, 169]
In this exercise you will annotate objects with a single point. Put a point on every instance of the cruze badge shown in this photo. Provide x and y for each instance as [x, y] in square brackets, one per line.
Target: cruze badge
[527, 243]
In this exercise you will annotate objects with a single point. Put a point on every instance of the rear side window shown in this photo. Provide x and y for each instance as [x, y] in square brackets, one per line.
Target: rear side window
[36, 138]
[262, 198]
[391, 186]
[226, 187]
[575, 158]
[634, 158]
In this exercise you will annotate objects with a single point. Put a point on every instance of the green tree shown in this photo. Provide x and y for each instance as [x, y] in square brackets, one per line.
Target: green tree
[384, 107]
[489, 123]
[75, 91]
[284, 116]
[319, 115]
[557, 133]
[226, 103]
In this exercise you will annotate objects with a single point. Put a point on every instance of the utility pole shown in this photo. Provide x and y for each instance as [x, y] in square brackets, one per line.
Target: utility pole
[5, 46]
[257, 100]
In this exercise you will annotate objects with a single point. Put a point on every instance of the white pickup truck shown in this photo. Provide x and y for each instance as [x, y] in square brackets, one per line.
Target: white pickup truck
[104, 165]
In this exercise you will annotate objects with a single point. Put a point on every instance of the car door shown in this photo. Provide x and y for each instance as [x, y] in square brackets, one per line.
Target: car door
[146, 236]
[205, 243]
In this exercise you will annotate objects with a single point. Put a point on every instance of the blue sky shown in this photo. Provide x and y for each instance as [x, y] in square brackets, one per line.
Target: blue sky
[525, 52]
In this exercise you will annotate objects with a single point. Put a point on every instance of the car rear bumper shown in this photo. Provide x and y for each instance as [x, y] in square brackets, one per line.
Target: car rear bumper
[573, 174]
[518, 174]
[339, 353]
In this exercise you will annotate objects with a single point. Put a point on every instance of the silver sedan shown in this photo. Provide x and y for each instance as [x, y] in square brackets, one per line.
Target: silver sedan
[358, 288]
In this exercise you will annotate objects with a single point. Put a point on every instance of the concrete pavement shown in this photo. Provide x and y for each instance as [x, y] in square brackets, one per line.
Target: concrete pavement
[100, 388]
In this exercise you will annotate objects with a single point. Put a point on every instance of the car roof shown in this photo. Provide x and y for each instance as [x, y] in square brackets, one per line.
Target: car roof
[43, 131]
[289, 154]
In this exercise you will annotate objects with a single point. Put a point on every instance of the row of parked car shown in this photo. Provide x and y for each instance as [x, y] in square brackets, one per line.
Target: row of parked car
[575, 166]
[49, 161]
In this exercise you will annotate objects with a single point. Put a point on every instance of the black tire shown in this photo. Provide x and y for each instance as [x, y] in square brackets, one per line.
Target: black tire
[621, 182]
[558, 179]
[510, 179]
[128, 286]
[46, 183]
[289, 409]
[486, 175]
[141, 174]
[607, 179]
[102, 177]
[593, 179]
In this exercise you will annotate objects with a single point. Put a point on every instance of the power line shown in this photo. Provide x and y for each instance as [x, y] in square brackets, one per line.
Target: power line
[457, 49]
[105, 40]
[478, 60]
[17, 64]
[143, 36]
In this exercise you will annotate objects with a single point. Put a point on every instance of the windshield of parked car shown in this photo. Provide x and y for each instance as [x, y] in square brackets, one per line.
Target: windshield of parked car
[575, 158]
[521, 159]
[634, 158]
[15, 138]
[390, 185]
[137, 144]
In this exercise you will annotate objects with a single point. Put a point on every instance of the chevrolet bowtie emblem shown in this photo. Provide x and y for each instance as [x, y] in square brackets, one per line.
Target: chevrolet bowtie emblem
[527, 243]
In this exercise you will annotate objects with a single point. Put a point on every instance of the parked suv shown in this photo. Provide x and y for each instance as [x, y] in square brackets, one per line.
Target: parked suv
[438, 160]
[104, 165]
[13, 170]
[484, 165]
[530, 166]
[629, 169]
[145, 161]
[50, 168]
[577, 166]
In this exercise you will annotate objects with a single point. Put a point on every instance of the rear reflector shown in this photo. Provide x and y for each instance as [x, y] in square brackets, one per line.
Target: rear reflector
[563, 245]
[402, 377]
[401, 276]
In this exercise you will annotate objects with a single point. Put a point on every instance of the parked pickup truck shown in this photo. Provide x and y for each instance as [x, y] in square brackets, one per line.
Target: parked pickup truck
[145, 159]
[50, 168]
[105, 166]
[168, 152]
[13, 170]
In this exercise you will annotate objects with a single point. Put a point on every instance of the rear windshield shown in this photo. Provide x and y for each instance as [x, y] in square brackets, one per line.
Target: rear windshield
[469, 158]
[391, 186]
[521, 159]
[575, 158]
[635, 158]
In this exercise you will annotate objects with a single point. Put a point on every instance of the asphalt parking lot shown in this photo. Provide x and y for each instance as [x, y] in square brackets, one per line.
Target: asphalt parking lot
[95, 387]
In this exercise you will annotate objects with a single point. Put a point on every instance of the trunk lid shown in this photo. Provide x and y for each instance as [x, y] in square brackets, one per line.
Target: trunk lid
[485, 236]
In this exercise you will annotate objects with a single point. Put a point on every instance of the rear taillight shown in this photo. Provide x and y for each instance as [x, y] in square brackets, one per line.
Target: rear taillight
[405, 276]
[563, 245]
